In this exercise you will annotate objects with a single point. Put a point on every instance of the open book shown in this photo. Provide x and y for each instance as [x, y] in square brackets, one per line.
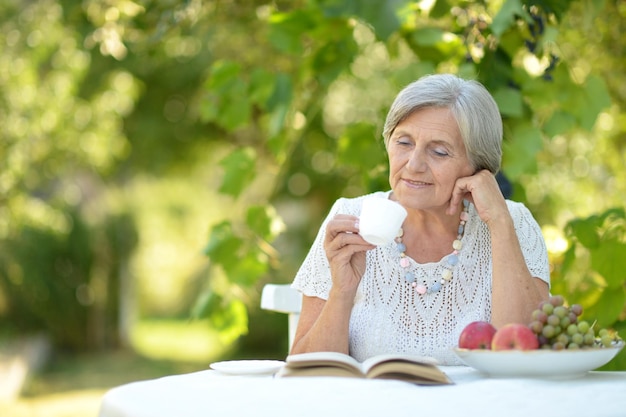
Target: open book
[416, 369]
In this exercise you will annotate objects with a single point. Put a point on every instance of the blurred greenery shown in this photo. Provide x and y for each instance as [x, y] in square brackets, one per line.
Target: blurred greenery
[164, 160]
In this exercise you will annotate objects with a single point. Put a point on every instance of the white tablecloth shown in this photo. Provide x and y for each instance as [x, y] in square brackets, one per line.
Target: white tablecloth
[211, 394]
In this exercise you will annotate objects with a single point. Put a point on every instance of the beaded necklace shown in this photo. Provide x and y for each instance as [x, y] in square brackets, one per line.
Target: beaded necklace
[451, 260]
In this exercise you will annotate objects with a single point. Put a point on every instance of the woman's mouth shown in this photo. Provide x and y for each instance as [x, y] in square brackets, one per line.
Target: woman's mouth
[416, 183]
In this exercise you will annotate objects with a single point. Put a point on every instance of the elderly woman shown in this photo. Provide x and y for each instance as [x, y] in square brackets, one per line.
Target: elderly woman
[465, 253]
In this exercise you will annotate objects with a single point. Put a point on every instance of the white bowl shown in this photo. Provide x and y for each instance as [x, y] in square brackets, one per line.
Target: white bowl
[539, 363]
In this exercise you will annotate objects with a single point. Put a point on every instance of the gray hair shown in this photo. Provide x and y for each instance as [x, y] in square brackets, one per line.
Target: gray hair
[473, 108]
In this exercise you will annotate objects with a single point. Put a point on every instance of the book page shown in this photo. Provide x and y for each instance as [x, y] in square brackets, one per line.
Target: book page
[304, 360]
[375, 360]
[409, 371]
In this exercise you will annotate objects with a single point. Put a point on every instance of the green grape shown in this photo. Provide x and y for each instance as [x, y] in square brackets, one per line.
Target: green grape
[557, 327]
[548, 331]
[561, 311]
[547, 308]
[583, 326]
[606, 340]
[539, 316]
[572, 329]
[554, 320]
[562, 338]
[536, 326]
[589, 339]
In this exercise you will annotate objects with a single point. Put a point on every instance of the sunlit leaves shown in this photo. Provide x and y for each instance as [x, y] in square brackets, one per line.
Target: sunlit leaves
[605, 237]
[436, 45]
[510, 101]
[602, 238]
[278, 105]
[359, 146]
[333, 58]
[382, 16]
[510, 10]
[227, 315]
[287, 30]
[597, 100]
[223, 245]
[520, 149]
[226, 101]
[264, 222]
[239, 170]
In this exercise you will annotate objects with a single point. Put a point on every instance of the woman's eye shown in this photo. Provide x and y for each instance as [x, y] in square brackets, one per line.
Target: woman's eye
[441, 152]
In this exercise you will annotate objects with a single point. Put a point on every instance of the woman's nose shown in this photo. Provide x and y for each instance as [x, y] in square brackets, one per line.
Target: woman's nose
[417, 161]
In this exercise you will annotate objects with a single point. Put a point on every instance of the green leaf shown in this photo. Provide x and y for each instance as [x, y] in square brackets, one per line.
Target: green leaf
[609, 260]
[286, 30]
[597, 99]
[428, 36]
[607, 309]
[261, 87]
[278, 104]
[282, 92]
[334, 58]
[560, 123]
[223, 245]
[505, 17]
[248, 268]
[509, 101]
[381, 15]
[236, 110]
[569, 258]
[358, 146]
[585, 231]
[259, 219]
[230, 318]
[226, 101]
[223, 74]
[239, 171]
[521, 149]
[440, 9]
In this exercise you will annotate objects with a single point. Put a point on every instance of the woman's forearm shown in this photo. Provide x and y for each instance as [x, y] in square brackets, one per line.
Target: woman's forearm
[515, 292]
[328, 329]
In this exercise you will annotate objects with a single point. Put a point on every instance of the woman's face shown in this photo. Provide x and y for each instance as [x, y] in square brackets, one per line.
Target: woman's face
[426, 157]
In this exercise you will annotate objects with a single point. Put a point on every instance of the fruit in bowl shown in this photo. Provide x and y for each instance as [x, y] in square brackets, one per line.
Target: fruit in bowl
[555, 344]
[514, 336]
[477, 335]
[557, 327]
[554, 326]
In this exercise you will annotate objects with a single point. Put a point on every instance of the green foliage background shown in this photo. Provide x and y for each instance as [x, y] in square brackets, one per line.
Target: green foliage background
[185, 152]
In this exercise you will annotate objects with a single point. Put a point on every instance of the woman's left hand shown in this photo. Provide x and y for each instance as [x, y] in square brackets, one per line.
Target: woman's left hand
[483, 191]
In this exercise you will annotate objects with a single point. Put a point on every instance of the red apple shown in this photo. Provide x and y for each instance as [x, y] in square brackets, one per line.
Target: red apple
[514, 336]
[477, 335]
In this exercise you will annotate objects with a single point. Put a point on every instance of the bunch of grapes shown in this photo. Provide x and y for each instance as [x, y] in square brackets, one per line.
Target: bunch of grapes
[557, 326]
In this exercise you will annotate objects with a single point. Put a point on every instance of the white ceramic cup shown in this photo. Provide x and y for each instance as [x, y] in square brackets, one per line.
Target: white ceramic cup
[380, 220]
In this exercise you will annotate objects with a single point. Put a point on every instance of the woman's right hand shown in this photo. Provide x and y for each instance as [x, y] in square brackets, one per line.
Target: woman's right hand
[345, 250]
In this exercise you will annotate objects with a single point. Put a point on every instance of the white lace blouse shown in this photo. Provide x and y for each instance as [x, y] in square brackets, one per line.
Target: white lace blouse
[390, 317]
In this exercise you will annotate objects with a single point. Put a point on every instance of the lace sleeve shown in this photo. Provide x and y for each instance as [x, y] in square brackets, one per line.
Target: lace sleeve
[313, 278]
[531, 241]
